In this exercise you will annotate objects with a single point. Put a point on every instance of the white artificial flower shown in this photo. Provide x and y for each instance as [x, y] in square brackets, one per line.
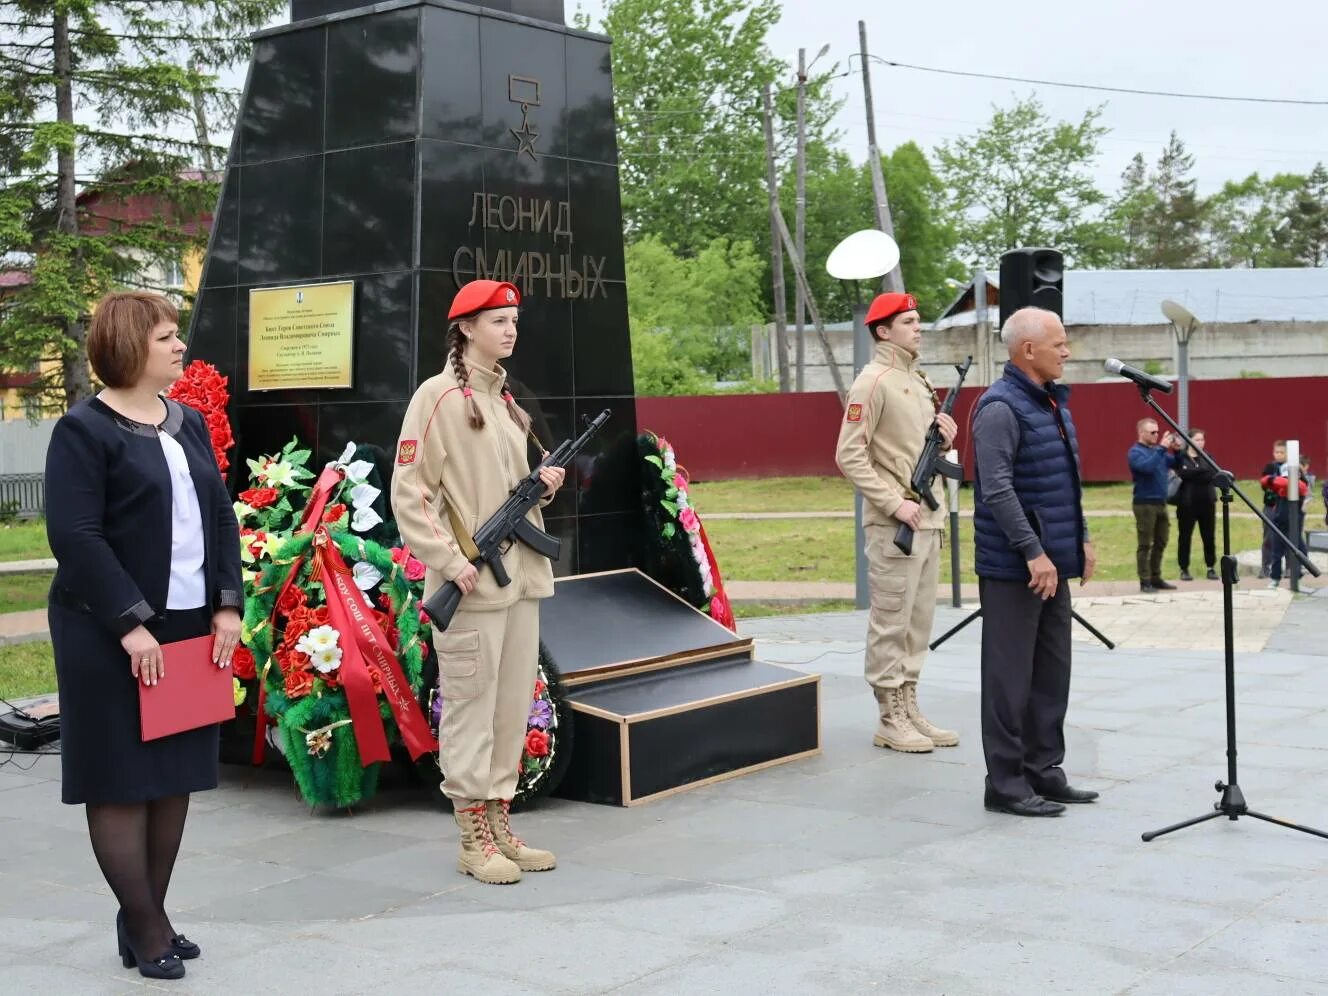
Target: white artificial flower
[346, 454]
[318, 639]
[242, 511]
[364, 495]
[364, 519]
[327, 660]
[279, 474]
[366, 575]
[358, 470]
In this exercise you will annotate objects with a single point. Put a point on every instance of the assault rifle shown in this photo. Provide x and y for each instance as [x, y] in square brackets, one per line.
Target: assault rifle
[510, 522]
[932, 463]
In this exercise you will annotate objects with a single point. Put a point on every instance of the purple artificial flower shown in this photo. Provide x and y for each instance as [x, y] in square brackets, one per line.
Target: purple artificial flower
[541, 714]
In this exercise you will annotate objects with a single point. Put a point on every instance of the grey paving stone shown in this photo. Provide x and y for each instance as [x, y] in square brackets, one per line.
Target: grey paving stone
[1272, 946]
[747, 973]
[21, 976]
[315, 896]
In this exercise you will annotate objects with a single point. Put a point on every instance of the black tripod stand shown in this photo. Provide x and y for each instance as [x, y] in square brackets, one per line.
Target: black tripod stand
[978, 615]
[1232, 804]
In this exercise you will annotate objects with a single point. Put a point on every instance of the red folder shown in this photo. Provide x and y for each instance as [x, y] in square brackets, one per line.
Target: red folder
[194, 692]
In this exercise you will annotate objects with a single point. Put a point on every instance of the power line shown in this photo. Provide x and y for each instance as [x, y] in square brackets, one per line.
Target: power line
[1100, 87]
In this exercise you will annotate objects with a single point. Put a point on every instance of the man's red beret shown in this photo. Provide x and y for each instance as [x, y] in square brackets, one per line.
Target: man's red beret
[483, 295]
[888, 305]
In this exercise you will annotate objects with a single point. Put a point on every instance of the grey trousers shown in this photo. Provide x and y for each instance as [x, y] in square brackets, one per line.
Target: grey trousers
[1025, 686]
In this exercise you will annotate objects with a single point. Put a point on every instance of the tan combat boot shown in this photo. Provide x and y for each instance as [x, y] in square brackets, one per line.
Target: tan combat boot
[894, 729]
[938, 737]
[479, 854]
[527, 858]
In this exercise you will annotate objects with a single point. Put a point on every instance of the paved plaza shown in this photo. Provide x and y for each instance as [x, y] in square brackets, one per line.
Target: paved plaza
[857, 871]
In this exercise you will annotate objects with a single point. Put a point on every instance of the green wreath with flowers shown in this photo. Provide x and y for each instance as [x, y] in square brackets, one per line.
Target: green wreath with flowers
[310, 708]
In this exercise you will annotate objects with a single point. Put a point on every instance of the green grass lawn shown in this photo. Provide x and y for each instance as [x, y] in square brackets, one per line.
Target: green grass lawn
[834, 494]
[24, 541]
[822, 549]
[26, 669]
[20, 592]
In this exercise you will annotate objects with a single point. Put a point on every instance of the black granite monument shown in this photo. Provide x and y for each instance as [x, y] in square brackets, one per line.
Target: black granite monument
[410, 147]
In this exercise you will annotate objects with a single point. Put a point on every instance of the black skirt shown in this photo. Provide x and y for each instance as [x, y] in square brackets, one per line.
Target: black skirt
[102, 757]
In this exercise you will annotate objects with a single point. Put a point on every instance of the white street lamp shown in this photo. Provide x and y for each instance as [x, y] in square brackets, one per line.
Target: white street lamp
[864, 255]
[1183, 323]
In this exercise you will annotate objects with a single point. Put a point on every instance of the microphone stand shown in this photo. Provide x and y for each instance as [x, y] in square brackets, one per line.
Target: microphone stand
[1232, 804]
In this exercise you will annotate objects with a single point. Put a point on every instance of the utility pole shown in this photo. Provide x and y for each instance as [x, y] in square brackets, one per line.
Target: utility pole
[200, 124]
[776, 256]
[800, 221]
[782, 237]
[894, 280]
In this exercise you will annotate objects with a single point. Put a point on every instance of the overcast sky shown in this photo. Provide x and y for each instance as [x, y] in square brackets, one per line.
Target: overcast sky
[1274, 49]
[1232, 47]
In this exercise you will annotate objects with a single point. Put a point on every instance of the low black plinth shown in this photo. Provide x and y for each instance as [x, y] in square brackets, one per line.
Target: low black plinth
[648, 736]
[664, 698]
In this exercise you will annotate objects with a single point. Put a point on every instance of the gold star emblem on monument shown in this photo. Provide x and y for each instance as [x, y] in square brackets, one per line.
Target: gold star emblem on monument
[524, 91]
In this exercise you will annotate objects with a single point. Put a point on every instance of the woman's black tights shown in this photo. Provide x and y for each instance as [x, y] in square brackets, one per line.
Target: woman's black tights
[136, 845]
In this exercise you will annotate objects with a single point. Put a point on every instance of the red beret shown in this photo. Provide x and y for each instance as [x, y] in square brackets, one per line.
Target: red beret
[888, 305]
[483, 295]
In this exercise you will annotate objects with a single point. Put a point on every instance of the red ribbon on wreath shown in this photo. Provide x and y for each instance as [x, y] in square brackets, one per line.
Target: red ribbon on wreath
[362, 641]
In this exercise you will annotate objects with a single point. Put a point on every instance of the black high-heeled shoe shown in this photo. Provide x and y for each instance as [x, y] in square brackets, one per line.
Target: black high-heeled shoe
[184, 948]
[165, 966]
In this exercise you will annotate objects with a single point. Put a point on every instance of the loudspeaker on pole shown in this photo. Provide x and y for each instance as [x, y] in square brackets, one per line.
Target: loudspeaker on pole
[1031, 277]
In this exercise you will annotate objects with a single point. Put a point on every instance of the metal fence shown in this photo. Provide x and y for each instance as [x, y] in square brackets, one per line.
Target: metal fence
[23, 495]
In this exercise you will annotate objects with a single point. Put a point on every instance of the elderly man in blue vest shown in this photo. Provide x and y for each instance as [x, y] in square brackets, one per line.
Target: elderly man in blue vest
[1032, 539]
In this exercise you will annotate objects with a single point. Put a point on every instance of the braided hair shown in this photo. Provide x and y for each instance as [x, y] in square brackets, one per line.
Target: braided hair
[456, 352]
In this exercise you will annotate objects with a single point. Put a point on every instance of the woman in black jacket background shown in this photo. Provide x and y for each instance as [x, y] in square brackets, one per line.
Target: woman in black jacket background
[1196, 504]
[148, 553]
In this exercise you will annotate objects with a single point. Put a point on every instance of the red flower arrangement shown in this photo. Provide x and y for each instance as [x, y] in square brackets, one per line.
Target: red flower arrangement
[204, 388]
[257, 498]
[537, 743]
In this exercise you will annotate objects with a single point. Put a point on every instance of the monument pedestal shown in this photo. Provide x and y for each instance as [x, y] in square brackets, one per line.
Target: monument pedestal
[663, 698]
[407, 148]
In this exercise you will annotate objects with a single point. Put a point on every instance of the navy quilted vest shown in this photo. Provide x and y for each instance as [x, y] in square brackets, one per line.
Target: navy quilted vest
[1046, 481]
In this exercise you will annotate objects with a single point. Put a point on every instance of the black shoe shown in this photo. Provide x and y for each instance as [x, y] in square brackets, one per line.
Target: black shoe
[1185, 576]
[1034, 805]
[1161, 585]
[165, 966]
[1069, 794]
[1146, 587]
[184, 948]
[1212, 575]
[181, 946]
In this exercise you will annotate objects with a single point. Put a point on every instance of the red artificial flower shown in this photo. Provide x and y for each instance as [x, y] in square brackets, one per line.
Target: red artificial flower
[203, 388]
[334, 512]
[291, 599]
[539, 688]
[259, 497]
[242, 663]
[537, 743]
[319, 617]
[414, 568]
[299, 682]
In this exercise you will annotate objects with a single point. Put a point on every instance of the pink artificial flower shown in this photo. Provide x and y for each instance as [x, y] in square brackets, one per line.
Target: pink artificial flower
[689, 520]
[414, 568]
[680, 482]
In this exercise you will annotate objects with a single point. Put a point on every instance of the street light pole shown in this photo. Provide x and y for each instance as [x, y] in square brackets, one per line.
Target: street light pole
[1183, 323]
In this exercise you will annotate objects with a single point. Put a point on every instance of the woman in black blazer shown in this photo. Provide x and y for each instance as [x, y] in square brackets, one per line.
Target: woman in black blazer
[148, 550]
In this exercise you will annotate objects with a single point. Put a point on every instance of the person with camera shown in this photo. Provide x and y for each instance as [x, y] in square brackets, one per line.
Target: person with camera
[1151, 461]
[1196, 505]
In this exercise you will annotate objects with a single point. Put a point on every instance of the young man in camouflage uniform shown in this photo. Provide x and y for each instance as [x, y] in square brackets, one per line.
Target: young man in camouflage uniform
[890, 408]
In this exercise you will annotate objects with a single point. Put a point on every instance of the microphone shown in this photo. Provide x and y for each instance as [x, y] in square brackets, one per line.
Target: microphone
[1144, 380]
